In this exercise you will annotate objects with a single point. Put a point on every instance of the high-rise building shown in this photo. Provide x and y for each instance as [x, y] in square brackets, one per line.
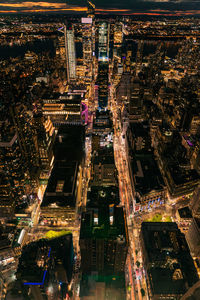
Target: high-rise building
[7, 203]
[103, 234]
[8, 261]
[102, 84]
[195, 203]
[104, 172]
[101, 87]
[118, 34]
[11, 158]
[90, 9]
[103, 38]
[70, 53]
[51, 262]
[88, 30]
[169, 266]
[193, 237]
[63, 192]
[66, 109]
[45, 139]
[23, 122]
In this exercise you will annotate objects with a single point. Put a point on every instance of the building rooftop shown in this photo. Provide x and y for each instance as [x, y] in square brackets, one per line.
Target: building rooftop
[104, 223]
[182, 175]
[139, 137]
[70, 143]
[61, 185]
[104, 156]
[100, 196]
[37, 258]
[163, 282]
[169, 263]
[102, 120]
[147, 174]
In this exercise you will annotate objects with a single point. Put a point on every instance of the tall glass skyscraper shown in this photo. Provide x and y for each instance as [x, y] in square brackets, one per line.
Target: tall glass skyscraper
[104, 31]
[70, 53]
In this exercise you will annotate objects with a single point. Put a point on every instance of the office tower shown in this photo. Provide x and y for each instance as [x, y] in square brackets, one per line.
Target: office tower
[101, 87]
[136, 107]
[195, 203]
[45, 268]
[90, 9]
[139, 55]
[12, 162]
[8, 261]
[193, 237]
[60, 50]
[63, 192]
[184, 218]
[102, 84]
[7, 201]
[118, 34]
[103, 234]
[23, 122]
[66, 109]
[146, 180]
[95, 142]
[104, 172]
[169, 266]
[70, 53]
[103, 39]
[88, 29]
[45, 132]
[102, 124]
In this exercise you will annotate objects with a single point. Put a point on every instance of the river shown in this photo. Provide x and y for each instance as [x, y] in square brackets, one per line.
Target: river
[37, 46]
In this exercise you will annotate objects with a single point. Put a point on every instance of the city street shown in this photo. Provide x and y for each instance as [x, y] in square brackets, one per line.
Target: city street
[134, 261]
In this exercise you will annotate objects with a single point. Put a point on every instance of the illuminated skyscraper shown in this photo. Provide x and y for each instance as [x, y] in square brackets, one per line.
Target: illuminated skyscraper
[11, 158]
[104, 30]
[87, 47]
[103, 66]
[90, 9]
[170, 269]
[70, 53]
[45, 132]
[103, 234]
[102, 83]
[88, 29]
[118, 34]
[7, 201]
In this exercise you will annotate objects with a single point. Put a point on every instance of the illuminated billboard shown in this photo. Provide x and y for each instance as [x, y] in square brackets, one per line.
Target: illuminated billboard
[86, 20]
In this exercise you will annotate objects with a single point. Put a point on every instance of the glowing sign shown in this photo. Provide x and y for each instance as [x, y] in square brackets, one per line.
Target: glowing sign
[86, 20]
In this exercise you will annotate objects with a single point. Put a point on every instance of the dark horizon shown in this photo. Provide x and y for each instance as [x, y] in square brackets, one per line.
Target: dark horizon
[136, 7]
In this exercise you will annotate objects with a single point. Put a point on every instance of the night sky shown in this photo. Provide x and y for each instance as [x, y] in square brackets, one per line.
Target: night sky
[156, 7]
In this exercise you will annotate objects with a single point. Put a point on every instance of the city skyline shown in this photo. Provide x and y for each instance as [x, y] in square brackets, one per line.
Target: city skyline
[136, 7]
[99, 151]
